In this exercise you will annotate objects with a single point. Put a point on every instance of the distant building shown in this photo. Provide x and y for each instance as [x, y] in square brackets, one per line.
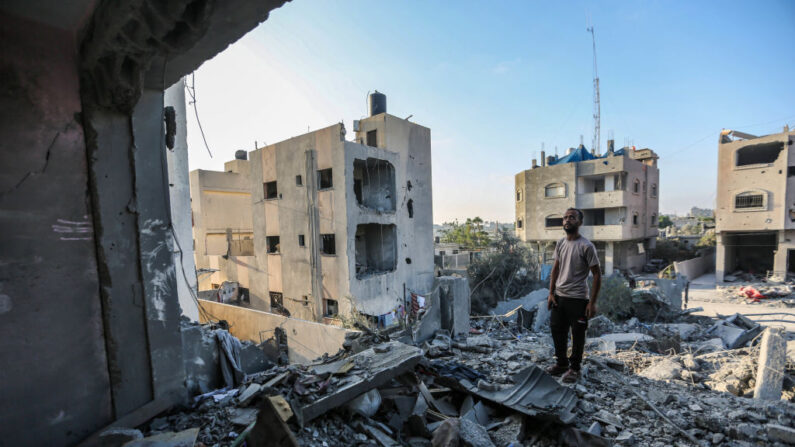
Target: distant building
[701, 212]
[334, 225]
[618, 193]
[755, 215]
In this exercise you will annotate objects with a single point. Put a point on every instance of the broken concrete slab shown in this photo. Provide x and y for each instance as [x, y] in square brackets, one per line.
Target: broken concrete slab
[243, 416]
[536, 393]
[528, 302]
[454, 299]
[249, 393]
[371, 371]
[735, 331]
[685, 330]
[619, 338]
[772, 359]
[270, 429]
[185, 438]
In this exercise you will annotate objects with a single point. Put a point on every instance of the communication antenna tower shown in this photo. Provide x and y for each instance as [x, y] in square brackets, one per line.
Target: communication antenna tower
[596, 108]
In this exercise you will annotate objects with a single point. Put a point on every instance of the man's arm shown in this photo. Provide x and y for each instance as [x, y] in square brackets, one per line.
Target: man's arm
[553, 279]
[590, 309]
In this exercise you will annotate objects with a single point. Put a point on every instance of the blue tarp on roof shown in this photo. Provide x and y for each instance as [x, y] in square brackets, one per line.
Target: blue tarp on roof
[582, 154]
[579, 154]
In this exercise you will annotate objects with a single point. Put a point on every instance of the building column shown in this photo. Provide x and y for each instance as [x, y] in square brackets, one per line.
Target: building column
[720, 258]
[780, 255]
[609, 258]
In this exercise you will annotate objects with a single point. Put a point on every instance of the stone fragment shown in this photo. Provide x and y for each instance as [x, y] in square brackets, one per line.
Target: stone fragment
[599, 325]
[780, 433]
[664, 369]
[717, 438]
[249, 393]
[625, 437]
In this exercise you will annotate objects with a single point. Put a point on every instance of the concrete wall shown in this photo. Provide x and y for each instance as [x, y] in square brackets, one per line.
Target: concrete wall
[219, 201]
[693, 268]
[179, 193]
[306, 342]
[55, 377]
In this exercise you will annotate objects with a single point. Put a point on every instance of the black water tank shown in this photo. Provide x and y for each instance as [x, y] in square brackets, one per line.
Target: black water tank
[377, 103]
[241, 155]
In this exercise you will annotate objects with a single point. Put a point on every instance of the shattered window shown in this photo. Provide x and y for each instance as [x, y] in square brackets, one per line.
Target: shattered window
[328, 247]
[271, 192]
[374, 184]
[272, 243]
[376, 249]
[330, 308]
[324, 179]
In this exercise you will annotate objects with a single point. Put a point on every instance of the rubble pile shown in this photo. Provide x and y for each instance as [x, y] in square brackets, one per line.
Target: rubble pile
[758, 291]
[661, 378]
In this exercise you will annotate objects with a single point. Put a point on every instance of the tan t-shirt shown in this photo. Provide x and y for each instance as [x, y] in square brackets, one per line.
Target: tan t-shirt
[575, 259]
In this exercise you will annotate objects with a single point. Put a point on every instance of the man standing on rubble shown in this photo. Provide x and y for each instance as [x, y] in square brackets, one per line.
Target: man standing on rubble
[568, 298]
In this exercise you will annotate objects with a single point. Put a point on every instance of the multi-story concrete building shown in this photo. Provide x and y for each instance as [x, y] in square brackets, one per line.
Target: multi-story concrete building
[617, 192]
[755, 213]
[336, 225]
[223, 234]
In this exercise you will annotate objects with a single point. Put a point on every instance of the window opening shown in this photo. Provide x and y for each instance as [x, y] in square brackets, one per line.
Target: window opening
[328, 247]
[635, 219]
[636, 186]
[299, 181]
[759, 153]
[301, 241]
[273, 244]
[518, 195]
[277, 304]
[653, 222]
[554, 222]
[271, 192]
[376, 249]
[749, 201]
[372, 138]
[305, 300]
[593, 217]
[654, 190]
[790, 171]
[410, 208]
[324, 179]
[519, 223]
[555, 190]
[374, 184]
[330, 308]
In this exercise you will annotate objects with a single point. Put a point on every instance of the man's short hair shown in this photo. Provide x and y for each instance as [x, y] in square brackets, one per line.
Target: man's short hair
[579, 213]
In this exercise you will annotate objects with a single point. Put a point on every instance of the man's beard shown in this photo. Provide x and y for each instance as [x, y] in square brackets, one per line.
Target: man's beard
[570, 229]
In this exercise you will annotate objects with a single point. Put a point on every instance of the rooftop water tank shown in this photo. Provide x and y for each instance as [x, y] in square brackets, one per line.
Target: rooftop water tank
[377, 102]
[241, 155]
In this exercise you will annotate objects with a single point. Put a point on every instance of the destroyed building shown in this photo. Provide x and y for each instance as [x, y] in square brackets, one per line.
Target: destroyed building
[316, 226]
[618, 193]
[755, 213]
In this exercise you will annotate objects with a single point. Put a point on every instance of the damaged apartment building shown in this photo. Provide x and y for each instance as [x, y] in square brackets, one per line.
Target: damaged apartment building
[755, 213]
[617, 192]
[316, 226]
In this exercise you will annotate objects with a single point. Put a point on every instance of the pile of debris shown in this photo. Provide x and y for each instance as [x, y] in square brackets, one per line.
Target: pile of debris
[775, 294]
[650, 380]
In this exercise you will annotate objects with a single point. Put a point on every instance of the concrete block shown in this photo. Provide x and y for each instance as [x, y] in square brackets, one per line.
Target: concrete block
[665, 369]
[780, 433]
[772, 357]
[629, 337]
[455, 304]
[430, 322]
[200, 356]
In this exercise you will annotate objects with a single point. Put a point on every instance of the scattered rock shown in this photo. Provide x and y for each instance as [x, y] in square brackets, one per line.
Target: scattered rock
[664, 369]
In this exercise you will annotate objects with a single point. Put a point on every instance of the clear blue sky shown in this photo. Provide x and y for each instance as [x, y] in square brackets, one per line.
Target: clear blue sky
[495, 80]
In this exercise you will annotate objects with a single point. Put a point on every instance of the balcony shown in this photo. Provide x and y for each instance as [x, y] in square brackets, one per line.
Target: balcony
[604, 199]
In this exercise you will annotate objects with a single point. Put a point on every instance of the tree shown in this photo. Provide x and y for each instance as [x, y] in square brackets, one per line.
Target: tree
[707, 240]
[507, 273]
[664, 221]
[470, 234]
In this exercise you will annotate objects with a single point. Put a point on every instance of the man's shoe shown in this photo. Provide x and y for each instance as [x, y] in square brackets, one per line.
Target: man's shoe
[571, 376]
[556, 370]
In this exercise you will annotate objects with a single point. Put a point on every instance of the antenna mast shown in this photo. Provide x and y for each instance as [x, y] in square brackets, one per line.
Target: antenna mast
[596, 108]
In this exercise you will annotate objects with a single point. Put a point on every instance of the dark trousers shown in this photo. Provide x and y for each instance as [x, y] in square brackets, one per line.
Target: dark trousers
[569, 314]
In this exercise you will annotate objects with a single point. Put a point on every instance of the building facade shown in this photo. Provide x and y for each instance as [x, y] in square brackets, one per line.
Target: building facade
[335, 225]
[755, 213]
[617, 192]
